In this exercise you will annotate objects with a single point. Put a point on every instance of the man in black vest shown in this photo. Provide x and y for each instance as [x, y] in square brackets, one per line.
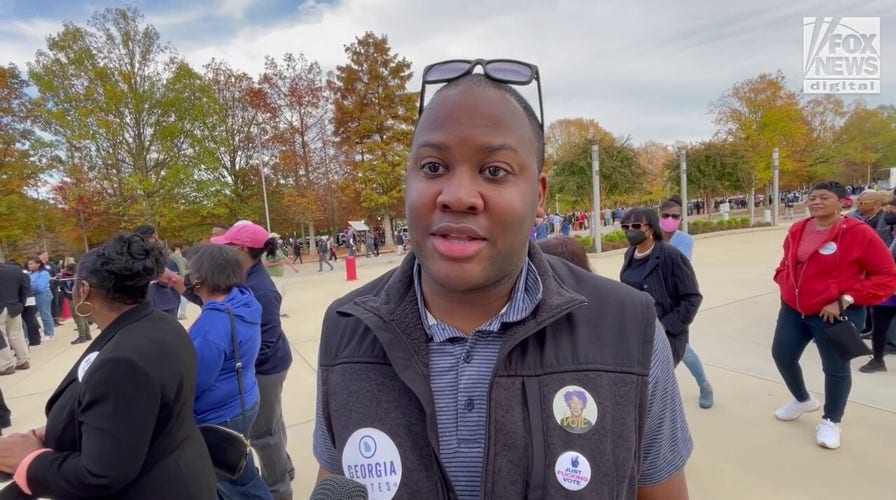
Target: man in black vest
[481, 368]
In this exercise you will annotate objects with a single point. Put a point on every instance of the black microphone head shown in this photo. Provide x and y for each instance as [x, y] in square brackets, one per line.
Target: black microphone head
[339, 488]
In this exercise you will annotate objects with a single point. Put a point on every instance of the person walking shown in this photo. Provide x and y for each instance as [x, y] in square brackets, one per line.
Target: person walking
[68, 287]
[661, 270]
[323, 250]
[883, 314]
[670, 219]
[43, 296]
[831, 267]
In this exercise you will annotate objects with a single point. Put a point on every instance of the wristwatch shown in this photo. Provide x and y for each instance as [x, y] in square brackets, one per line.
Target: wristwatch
[848, 299]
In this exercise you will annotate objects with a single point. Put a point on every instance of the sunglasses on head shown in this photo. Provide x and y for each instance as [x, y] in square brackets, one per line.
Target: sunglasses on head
[507, 71]
[674, 216]
[634, 225]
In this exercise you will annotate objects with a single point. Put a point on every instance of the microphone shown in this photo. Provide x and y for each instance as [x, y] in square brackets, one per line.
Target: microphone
[339, 488]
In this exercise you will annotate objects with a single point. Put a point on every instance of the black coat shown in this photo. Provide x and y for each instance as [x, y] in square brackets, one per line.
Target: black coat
[672, 284]
[123, 427]
[15, 287]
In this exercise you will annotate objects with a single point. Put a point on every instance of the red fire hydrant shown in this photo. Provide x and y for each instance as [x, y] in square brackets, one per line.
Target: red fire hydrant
[351, 268]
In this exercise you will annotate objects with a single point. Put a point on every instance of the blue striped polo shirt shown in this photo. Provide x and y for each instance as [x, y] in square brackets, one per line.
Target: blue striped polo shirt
[460, 372]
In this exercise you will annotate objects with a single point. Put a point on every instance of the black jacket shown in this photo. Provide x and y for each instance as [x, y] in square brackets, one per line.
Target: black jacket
[122, 426]
[15, 287]
[672, 284]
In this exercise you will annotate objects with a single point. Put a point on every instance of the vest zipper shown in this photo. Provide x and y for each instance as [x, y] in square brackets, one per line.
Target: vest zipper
[520, 336]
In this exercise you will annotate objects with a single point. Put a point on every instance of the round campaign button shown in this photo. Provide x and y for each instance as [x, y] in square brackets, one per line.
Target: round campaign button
[828, 249]
[575, 409]
[371, 458]
[85, 364]
[573, 471]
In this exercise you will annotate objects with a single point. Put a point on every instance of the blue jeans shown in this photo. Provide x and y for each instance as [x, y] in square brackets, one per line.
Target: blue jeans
[792, 334]
[695, 366]
[45, 309]
[249, 484]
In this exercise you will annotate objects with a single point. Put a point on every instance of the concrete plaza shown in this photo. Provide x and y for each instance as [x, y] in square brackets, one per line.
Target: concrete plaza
[741, 451]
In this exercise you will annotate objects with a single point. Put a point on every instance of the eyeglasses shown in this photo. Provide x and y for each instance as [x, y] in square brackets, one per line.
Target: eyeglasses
[674, 216]
[506, 71]
[635, 225]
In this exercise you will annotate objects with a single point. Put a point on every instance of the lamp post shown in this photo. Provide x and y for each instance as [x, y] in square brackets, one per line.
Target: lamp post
[776, 199]
[595, 197]
[264, 187]
[683, 162]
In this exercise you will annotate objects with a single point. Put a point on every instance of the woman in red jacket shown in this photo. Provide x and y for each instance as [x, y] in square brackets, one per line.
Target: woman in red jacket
[828, 259]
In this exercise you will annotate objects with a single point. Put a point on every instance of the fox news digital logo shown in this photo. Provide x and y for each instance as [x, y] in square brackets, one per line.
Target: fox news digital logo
[841, 55]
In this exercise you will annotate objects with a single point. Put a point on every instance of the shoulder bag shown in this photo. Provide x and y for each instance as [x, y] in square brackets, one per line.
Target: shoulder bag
[229, 449]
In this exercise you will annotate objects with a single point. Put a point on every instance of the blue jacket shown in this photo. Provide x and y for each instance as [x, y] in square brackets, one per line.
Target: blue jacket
[275, 355]
[40, 281]
[217, 393]
[165, 298]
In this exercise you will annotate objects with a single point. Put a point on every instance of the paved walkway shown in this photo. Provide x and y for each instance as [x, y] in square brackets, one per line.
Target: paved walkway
[741, 452]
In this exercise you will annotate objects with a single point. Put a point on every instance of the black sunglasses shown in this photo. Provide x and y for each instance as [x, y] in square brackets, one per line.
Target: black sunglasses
[635, 225]
[674, 216]
[507, 71]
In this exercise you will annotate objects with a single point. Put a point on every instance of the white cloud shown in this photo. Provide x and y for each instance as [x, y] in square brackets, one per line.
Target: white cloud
[646, 69]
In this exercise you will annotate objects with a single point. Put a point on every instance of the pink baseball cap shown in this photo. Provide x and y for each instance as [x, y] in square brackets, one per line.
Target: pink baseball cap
[245, 234]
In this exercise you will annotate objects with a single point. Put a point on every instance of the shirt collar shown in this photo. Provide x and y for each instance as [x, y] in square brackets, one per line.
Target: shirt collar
[527, 293]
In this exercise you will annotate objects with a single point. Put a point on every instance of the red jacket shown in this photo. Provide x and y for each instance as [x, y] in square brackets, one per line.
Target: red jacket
[855, 262]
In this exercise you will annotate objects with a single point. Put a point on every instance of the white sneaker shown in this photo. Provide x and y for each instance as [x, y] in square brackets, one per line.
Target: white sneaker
[828, 434]
[793, 409]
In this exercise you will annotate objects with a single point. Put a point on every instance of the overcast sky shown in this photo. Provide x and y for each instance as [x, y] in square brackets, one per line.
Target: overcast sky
[647, 69]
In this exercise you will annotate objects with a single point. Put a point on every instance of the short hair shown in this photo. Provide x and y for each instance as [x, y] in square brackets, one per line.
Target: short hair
[832, 186]
[219, 268]
[878, 196]
[36, 260]
[567, 248]
[567, 397]
[145, 230]
[122, 268]
[482, 81]
[672, 202]
[646, 215]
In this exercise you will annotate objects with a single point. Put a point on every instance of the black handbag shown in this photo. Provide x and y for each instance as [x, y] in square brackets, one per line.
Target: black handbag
[846, 338]
[229, 449]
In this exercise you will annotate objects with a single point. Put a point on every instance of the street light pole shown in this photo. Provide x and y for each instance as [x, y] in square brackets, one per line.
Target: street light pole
[776, 200]
[264, 187]
[683, 162]
[595, 197]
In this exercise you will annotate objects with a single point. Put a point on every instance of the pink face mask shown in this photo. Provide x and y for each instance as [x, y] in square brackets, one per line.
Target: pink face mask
[669, 225]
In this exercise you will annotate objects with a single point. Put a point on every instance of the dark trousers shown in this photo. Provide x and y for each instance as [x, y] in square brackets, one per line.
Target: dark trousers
[882, 318]
[269, 436]
[32, 328]
[792, 334]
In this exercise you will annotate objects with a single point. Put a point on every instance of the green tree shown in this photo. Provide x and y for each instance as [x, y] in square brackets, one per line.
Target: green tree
[866, 143]
[373, 120]
[568, 162]
[125, 112]
[18, 171]
[761, 114]
[716, 168]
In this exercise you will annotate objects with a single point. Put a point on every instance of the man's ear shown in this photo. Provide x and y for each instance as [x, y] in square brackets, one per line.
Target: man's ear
[542, 195]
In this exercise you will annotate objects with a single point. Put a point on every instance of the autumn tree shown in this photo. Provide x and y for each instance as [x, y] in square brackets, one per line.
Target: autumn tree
[297, 111]
[125, 111]
[653, 156]
[761, 114]
[230, 126]
[17, 168]
[568, 162]
[866, 143]
[373, 119]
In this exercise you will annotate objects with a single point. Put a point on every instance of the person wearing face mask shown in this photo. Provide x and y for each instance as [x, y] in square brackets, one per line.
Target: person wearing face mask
[664, 273]
[882, 314]
[670, 219]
